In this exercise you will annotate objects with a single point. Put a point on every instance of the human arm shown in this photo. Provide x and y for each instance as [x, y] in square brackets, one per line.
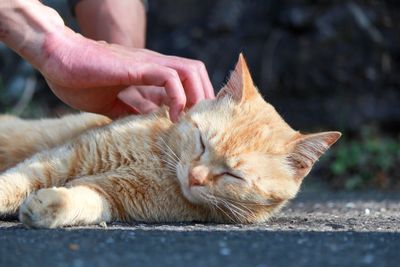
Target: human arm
[114, 21]
[88, 74]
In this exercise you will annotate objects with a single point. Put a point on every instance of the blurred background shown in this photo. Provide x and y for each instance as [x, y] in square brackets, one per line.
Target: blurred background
[324, 65]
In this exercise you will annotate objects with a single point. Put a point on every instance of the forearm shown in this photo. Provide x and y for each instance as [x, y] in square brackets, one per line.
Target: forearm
[121, 22]
[24, 26]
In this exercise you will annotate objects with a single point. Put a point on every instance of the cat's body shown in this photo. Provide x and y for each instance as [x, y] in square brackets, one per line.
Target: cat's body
[123, 161]
[232, 159]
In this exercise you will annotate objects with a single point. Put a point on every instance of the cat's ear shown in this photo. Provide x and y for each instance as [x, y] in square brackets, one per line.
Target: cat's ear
[240, 86]
[307, 149]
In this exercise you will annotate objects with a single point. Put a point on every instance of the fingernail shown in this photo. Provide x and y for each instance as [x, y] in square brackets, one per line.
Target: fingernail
[174, 116]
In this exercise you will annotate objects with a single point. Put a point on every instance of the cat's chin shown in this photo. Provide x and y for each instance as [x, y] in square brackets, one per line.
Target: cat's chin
[191, 196]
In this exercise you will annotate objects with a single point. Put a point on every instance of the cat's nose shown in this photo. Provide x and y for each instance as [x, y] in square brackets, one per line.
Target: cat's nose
[198, 176]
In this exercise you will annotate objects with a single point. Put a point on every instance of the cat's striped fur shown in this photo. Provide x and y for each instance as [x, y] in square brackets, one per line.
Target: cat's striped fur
[232, 159]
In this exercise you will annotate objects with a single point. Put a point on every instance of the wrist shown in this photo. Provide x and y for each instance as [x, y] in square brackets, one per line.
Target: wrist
[25, 25]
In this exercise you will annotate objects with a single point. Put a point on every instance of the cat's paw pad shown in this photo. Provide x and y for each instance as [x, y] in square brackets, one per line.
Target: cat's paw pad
[46, 208]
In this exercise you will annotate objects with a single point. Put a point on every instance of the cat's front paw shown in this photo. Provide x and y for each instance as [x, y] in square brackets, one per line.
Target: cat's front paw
[46, 208]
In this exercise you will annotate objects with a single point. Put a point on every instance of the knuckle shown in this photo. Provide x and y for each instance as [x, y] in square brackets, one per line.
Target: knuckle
[200, 65]
[180, 104]
[179, 100]
[191, 71]
[197, 66]
[172, 74]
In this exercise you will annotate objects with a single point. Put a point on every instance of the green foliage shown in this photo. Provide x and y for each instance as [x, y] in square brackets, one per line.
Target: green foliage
[370, 160]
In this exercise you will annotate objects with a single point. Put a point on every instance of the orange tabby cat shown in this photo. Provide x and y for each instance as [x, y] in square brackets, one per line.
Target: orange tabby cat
[232, 159]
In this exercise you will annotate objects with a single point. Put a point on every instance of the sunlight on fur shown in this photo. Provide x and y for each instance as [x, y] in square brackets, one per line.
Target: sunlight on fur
[228, 160]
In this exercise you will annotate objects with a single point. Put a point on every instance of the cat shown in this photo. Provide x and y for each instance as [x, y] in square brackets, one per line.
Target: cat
[232, 159]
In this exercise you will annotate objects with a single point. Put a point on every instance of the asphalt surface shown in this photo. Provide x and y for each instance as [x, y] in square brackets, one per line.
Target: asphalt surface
[317, 229]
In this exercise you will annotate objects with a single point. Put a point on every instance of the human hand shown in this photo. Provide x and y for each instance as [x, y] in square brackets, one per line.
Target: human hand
[112, 21]
[144, 99]
[89, 75]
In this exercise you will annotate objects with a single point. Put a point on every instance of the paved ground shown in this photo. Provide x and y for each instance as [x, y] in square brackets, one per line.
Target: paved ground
[318, 229]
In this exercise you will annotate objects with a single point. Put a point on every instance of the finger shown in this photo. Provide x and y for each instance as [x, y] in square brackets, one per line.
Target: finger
[200, 70]
[155, 94]
[188, 72]
[207, 86]
[119, 109]
[133, 98]
[193, 86]
[184, 68]
[151, 74]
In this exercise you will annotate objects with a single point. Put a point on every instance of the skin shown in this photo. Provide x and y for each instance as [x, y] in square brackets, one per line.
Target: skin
[112, 21]
[97, 76]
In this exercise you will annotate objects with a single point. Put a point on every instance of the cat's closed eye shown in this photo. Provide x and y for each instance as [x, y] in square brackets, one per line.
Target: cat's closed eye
[232, 175]
[202, 145]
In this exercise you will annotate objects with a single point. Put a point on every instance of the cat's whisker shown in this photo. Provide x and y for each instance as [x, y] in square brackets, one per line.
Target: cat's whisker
[238, 211]
[170, 149]
[163, 148]
[253, 203]
[167, 153]
[243, 205]
[239, 206]
[217, 202]
[244, 213]
[172, 171]
[233, 210]
[169, 163]
[210, 204]
[171, 160]
[223, 211]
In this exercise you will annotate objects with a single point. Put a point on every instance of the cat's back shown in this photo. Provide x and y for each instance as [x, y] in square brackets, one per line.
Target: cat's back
[134, 142]
[21, 138]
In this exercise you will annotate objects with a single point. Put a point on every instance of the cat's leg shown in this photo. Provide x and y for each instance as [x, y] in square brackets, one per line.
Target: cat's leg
[55, 167]
[46, 169]
[55, 207]
[87, 200]
[20, 139]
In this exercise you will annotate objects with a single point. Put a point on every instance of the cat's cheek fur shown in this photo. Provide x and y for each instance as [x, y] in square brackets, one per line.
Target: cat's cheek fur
[187, 151]
[182, 171]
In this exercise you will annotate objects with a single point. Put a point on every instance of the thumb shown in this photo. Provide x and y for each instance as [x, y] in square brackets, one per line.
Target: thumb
[136, 101]
[120, 109]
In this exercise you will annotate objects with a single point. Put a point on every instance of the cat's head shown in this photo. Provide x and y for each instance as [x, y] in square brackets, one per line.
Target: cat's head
[238, 156]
